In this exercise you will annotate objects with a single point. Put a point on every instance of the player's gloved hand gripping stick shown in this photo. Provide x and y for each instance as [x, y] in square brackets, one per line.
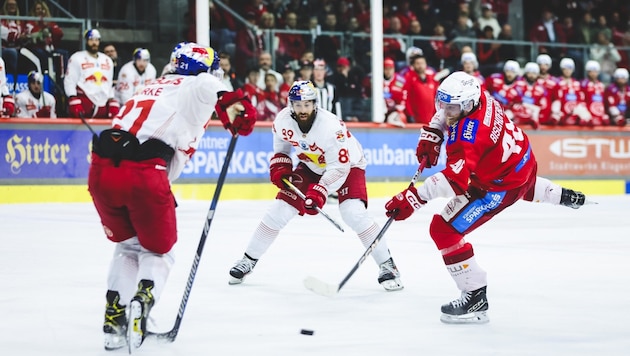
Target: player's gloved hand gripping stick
[317, 208]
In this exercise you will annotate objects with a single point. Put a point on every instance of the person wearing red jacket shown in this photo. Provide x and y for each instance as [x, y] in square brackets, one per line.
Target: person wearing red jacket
[617, 97]
[490, 165]
[420, 87]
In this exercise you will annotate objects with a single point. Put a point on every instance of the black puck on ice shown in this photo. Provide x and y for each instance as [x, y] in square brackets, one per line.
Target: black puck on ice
[306, 332]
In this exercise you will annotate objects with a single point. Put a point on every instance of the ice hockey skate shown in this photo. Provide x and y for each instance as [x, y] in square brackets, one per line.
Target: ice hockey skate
[115, 325]
[389, 277]
[242, 269]
[140, 307]
[470, 308]
[572, 198]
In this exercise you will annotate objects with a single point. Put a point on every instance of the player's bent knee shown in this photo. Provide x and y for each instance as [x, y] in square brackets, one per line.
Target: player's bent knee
[443, 234]
[279, 214]
[354, 214]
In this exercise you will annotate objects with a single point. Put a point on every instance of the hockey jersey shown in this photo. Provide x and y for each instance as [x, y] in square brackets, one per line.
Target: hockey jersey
[93, 76]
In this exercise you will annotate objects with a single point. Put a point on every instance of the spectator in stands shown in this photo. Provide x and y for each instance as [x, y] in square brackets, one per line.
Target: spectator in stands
[223, 28]
[573, 35]
[443, 48]
[617, 97]
[428, 17]
[405, 15]
[421, 88]
[35, 102]
[506, 51]
[327, 46]
[489, 58]
[415, 29]
[291, 45]
[394, 94]
[229, 77]
[8, 104]
[249, 44]
[601, 25]
[549, 30]
[45, 36]
[604, 52]
[88, 81]
[271, 99]
[110, 50]
[501, 9]
[268, 22]
[288, 76]
[348, 80]
[593, 90]
[13, 37]
[328, 97]
[463, 31]
[134, 75]
[585, 32]
[251, 89]
[264, 63]
[488, 19]
[306, 70]
[394, 47]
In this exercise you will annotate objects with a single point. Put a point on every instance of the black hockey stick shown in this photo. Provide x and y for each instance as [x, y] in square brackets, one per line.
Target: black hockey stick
[170, 336]
[319, 210]
[329, 290]
[87, 124]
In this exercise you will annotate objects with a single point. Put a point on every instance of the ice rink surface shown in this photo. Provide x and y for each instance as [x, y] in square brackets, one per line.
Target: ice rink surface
[558, 285]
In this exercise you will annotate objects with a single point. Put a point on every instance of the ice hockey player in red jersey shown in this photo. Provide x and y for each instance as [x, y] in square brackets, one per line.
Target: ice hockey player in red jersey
[133, 163]
[490, 165]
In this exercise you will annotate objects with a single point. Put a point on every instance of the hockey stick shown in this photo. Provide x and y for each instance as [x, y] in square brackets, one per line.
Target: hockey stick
[170, 336]
[32, 57]
[319, 210]
[329, 290]
[86, 124]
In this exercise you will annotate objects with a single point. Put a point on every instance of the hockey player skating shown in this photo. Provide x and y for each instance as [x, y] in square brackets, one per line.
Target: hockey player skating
[88, 81]
[129, 180]
[330, 159]
[490, 165]
[35, 102]
[134, 75]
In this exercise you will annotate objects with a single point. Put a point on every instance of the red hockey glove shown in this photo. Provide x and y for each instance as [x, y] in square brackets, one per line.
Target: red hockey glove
[315, 198]
[113, 107]
[75, 107]
[43, 112]
[429, 145]
[280, 166]
[620, 120]
[8, 106]
[236, 112]
[404, 204]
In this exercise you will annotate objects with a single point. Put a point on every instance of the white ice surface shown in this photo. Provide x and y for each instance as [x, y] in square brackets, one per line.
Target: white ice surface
[558, 285]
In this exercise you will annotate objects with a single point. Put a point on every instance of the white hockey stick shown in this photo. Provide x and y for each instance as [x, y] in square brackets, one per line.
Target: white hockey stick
[33, 58]
[319, 210]
[330, 290]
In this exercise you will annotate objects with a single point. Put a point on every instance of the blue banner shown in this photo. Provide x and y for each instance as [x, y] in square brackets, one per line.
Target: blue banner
[30, 152]
[22, 84]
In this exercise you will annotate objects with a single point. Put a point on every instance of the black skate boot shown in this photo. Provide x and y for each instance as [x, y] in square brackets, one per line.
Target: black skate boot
[115, 325]
[470, 308]
[242, 269]
[389, 277]
[572, 199]
[140, 307]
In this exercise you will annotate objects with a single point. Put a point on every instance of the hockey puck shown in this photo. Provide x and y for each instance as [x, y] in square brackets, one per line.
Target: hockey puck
[306, 332]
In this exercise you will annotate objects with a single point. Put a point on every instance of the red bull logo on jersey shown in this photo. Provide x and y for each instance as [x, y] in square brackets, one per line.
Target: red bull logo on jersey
[98, 78]
[340, 136]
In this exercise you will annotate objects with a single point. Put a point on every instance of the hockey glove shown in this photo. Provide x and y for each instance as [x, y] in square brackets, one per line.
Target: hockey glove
[75, 107]
[8, 106]
[113, 107]
[404, 204]
[236, 112]
[429, 145]
[280, 166]
[315, 198]
[43, 112]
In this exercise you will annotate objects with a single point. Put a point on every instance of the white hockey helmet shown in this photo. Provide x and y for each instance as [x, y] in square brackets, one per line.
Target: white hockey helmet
[621, 73]
[458, 94]
[531, 67]
[592, 66]
[543, 59]
[413, 52]
[567, 63]
[469, 57]
[512, 66]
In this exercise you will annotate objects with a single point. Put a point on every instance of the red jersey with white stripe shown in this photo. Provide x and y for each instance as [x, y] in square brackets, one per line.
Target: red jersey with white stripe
[594, 100]
[486, 150]
[174, 109]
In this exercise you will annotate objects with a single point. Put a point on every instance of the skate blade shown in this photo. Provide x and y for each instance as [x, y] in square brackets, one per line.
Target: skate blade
[114, 342]
[134, 330]
[392, 285]
[233, 280]
[479, 317]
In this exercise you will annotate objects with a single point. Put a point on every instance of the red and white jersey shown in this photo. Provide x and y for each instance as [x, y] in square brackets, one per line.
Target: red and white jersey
[4, 88]
[569, 94]
[617, 100]
[174, 109]
[502, 91]
[549, 83]
[93, 76]
[534, 94]
[594, 98]
[394, 93]
[26, 105]
[328, 148]
[130, 81]
[486, 150]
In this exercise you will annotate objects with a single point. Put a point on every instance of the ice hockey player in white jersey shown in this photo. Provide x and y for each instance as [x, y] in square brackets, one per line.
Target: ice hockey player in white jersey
[133, 163]
[329, 159]
[8, 104]
[134, 75]
[35, 102]
[88, 81]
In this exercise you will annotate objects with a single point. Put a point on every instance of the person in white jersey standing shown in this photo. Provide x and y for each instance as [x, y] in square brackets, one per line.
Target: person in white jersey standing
[134, 75]
[329, 159]
[132, 166]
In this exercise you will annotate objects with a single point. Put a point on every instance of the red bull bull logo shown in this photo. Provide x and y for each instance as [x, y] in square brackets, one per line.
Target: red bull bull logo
[98, 78]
